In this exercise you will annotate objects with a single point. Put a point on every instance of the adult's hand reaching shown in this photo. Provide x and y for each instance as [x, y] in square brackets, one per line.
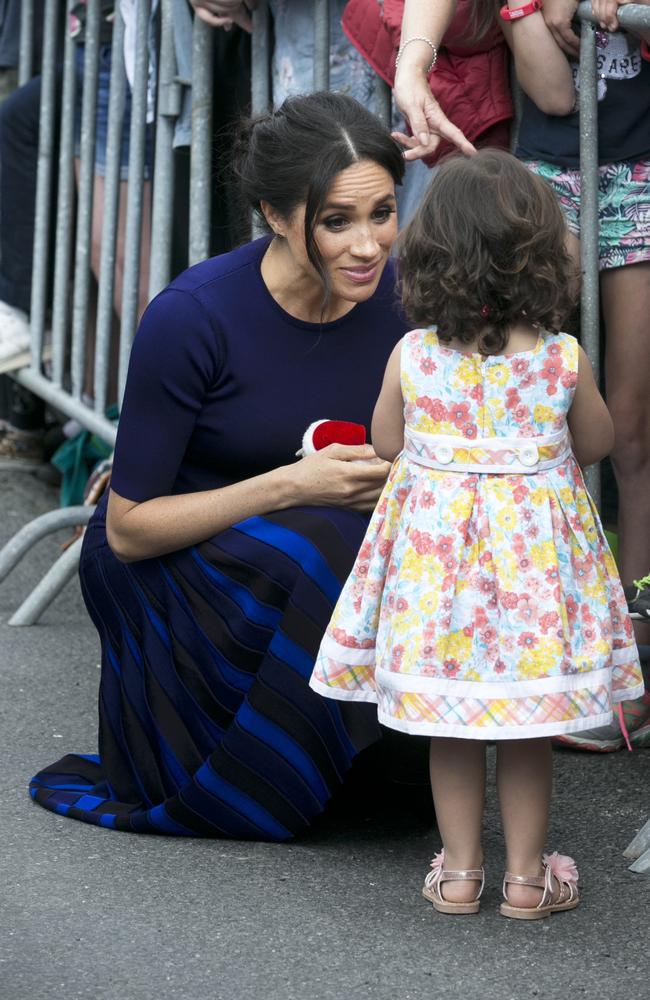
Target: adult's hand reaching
[558, 15]
[427, 121]
[225, 13]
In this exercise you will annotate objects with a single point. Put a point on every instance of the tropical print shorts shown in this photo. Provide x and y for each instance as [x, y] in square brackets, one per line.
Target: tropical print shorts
[624, 207]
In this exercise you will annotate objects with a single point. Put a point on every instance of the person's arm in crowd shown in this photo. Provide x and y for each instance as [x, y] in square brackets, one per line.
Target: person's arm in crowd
[542, 68]
[558, 15]
[225, 13]
[428, 123]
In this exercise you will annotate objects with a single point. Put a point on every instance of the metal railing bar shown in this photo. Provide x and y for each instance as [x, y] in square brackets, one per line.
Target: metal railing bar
[135, 191]
[261, 60]
[67, 404]
[634, 15]
[383, 101]
[83, 240]
[321, 45]
[26, 48]
[64, 215]
[201, 154]
[44, 185]
[590, 315]
[169, 105]
[110, 215]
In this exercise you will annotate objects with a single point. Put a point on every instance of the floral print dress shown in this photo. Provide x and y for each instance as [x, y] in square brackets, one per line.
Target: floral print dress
[484, 602]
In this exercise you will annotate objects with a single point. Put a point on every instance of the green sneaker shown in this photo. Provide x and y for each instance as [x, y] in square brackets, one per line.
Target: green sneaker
[638, 599]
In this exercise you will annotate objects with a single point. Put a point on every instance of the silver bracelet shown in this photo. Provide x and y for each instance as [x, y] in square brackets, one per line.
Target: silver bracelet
[418, 38]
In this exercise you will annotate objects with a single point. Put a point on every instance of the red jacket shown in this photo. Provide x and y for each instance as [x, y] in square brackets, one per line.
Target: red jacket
[470, 82]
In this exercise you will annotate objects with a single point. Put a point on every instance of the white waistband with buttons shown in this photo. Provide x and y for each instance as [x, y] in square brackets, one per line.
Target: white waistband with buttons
[488, 455]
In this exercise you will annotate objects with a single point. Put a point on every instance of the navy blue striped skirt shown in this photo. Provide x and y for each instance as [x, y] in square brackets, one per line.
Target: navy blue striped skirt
[207, 726]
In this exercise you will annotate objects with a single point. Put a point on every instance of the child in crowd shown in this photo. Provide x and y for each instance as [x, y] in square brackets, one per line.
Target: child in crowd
[549, 142]
[484, 603]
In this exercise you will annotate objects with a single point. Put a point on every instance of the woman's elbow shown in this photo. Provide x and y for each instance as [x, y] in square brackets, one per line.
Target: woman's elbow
[557, 104]
[120, 546]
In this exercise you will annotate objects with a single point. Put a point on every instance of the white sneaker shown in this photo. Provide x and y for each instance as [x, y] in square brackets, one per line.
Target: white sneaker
[14, 338]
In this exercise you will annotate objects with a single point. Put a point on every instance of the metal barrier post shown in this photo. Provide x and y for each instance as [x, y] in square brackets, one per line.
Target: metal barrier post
[321, 45]
[261, 60]
[64, 215]
[133, 233]
[83, 243]
[44, 185]
[110, 215]
[201, 156]
[590, 316]
[383, 100]
[169, 107]
[26, 41]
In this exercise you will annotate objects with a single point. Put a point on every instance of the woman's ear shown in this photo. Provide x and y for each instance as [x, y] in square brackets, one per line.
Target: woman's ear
[273, 218]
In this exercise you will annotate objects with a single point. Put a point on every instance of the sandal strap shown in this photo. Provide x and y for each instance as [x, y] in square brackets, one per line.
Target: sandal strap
[539, 881]
[437, 876]
[467, 874]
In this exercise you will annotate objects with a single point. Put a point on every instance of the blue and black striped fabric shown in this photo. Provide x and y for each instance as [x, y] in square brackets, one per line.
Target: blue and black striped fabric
[207, 726]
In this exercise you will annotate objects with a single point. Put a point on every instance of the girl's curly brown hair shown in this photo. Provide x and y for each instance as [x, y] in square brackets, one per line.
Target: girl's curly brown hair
[485, 251]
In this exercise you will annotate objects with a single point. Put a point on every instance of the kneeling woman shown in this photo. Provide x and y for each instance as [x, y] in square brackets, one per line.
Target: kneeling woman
[212, 570]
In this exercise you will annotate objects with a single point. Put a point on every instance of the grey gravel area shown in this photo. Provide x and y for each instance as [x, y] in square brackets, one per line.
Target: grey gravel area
[91, 913]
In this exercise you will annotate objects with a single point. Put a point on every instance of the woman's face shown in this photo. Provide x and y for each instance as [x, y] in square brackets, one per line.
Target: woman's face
[354, 231]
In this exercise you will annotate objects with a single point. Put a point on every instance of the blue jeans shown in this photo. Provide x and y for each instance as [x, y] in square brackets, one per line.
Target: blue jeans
[101, 117]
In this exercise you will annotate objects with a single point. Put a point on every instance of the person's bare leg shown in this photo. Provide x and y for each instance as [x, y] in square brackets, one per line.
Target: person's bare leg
[524, 784]
[626, 308]
[457, 772]
[145, 249]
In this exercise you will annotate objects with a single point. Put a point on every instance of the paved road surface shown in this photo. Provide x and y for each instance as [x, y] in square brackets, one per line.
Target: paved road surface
[87, 913]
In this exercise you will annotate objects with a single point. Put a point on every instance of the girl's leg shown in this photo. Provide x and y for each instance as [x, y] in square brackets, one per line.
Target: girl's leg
[457, 771]
[626, 308]
[524, 784]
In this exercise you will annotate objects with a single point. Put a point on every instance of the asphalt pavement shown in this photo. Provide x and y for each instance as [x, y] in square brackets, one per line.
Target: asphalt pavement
[337, 915]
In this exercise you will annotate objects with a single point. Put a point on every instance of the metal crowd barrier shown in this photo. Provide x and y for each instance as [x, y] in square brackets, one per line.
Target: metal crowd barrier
[62, 384]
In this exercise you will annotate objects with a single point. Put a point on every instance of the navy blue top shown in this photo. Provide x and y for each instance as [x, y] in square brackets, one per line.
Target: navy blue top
[623, 114]
[223, 382]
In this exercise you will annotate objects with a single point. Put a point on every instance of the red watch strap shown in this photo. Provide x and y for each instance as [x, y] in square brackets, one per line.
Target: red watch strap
[507, 14]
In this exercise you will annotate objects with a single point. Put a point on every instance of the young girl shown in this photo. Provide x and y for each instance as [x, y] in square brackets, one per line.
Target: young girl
[484, 603]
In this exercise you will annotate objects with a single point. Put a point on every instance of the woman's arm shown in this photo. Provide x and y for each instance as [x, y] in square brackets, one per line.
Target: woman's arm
[412, 92]
[590, 424]
[542, 68]
[337, 476]
[225, 13]
[387, 430]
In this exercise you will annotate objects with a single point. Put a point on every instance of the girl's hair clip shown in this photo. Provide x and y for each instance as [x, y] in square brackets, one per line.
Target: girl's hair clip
[485, 312]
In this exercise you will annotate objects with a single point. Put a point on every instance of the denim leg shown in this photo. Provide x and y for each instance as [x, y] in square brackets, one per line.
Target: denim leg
[19, 126]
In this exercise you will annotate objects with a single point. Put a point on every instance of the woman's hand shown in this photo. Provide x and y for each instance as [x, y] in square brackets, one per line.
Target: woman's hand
[339, 476]
[426, 118]
[558, 15]
[225, 13]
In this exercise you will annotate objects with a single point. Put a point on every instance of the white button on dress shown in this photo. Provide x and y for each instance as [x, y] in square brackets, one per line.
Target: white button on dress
[529, 455]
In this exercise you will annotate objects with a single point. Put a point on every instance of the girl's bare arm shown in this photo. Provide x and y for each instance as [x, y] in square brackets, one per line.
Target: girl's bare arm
[388, 419]
[591, 426]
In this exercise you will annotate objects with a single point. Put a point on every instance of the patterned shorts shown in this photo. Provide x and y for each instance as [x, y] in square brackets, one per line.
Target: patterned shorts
[624, 207]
